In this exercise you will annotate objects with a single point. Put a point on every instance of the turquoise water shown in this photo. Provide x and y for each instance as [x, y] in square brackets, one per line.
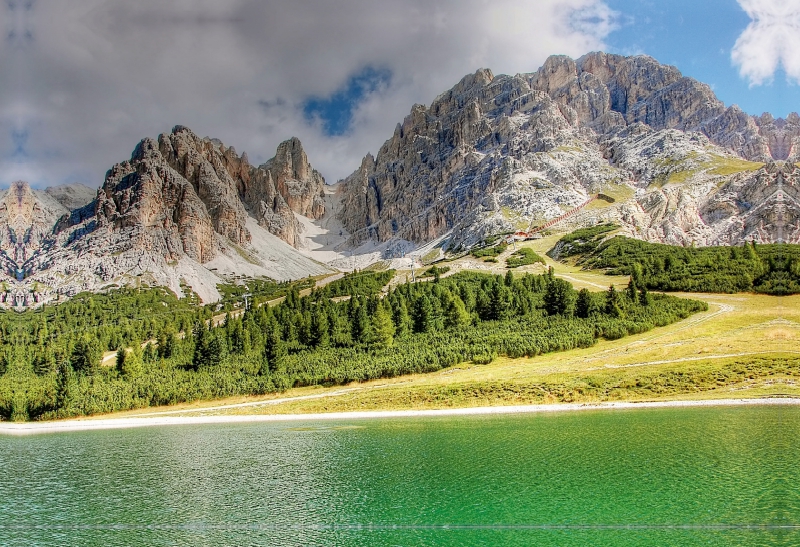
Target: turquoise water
[697, 476]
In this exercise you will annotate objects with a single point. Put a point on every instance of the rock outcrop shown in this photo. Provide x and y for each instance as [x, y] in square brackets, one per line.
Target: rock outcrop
[180, 202]
[504, 153]
[783, 136]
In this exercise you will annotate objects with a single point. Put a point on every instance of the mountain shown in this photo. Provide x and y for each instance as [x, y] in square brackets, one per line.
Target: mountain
[183, 211]
[603, 138]
[503, 153]
[71, 196]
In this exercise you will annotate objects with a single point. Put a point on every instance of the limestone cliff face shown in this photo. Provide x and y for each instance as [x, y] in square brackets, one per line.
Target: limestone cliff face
[783, 136]
[162, 209]
[179, 197]
[504, 153]
[285, 185]
[185, 191]
[300, 185]
[599, 86]
[763, 206]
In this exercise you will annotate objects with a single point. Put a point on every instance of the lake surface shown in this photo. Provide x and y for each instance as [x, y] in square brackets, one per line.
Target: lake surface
[691, 476]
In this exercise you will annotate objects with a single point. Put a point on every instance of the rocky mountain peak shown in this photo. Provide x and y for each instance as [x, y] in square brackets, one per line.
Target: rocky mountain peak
[501, 153]
[300, 185]
[179, 197]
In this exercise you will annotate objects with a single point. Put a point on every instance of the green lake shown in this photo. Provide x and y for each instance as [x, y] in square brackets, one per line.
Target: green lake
[669, 476]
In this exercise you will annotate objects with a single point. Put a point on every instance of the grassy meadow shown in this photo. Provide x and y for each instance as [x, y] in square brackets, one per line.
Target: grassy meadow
[745, 345]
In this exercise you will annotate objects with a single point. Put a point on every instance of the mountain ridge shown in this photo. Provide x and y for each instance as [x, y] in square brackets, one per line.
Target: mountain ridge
[178, 203]
[497, 153]
[494, 154]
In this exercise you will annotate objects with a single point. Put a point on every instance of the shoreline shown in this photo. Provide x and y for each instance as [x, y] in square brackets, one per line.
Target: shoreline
[91, 424]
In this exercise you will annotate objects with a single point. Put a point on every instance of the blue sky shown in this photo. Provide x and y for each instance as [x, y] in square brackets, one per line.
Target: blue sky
[697, 36]
[335, 112]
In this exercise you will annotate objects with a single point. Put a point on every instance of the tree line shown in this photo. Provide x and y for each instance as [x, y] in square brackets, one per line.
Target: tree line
[769, 269]
[308, 340]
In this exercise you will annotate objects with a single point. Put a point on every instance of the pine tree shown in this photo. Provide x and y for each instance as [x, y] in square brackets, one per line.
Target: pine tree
[132, 364]
[645, 298]
[612, 302]
[65, 385]
[214, 351]
[44, 363]
[499, 302]
[422, 316]
[320, 328]
[400, 316]
[121, 354]
[207, 347]
[274, 348]
[583, 304]
[86, 355]
[150, 354]
[382, 328]
[360, 322]
[559, 298]
[750, 251]
[632, 289]
[455, 314]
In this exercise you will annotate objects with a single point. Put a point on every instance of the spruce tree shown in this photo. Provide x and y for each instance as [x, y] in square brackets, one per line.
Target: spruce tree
[583, 304]
[274, 347]
[382, 329]
[559, 298]
[423, 311]
[612, 302]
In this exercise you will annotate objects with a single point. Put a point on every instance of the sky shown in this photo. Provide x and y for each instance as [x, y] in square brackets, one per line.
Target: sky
[82, 81]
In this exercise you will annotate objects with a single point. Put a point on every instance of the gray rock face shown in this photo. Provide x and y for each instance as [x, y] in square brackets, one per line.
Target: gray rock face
[71, 196]
[178, 198]
[783, 136]
[504, 153]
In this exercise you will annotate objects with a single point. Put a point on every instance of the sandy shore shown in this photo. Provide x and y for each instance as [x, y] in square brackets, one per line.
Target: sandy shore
[86, 424]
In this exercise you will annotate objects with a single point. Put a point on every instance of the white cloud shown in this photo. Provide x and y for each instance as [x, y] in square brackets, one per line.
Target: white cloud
[93, 77]
[770, 41]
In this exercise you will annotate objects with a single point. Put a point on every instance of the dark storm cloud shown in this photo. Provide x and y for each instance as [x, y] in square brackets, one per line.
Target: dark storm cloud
[89, 78]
